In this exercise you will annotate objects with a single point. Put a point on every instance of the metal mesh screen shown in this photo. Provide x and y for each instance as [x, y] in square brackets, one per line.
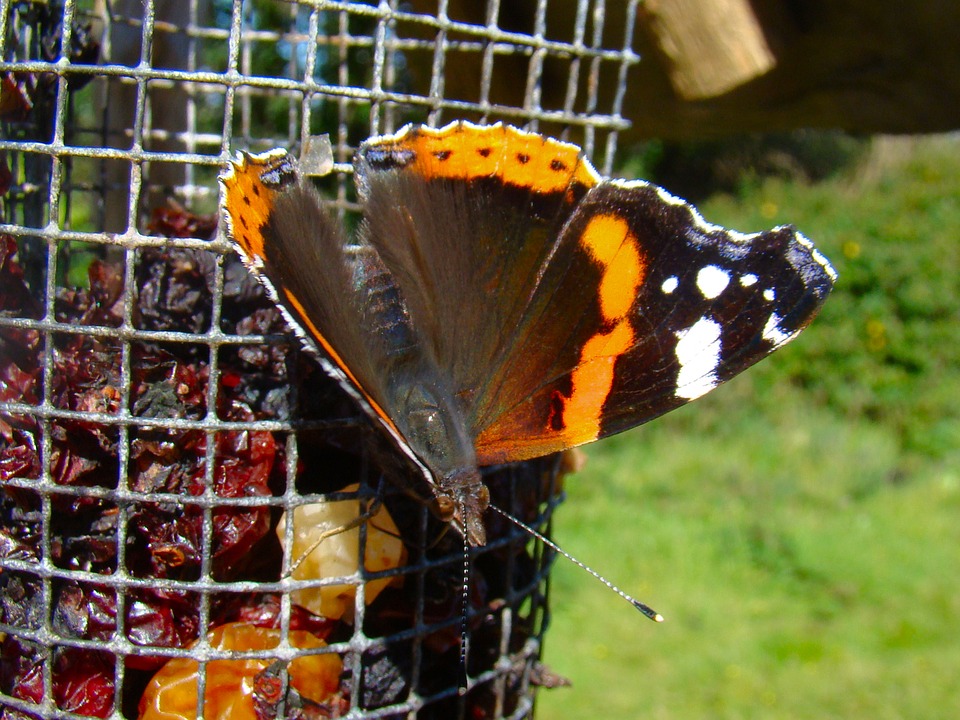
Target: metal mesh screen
[156, 417]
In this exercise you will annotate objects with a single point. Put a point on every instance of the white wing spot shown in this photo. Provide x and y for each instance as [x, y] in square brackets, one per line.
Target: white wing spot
[670, 284]
[698, 352]
[773, 333]
[748, 280]
[712, 281]
[769, 295]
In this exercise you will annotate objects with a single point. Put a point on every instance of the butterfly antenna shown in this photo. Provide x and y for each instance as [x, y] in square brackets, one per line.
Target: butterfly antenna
[464, 606]
[642, 607]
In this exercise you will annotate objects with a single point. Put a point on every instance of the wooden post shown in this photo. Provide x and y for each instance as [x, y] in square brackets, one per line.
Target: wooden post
[711, 46]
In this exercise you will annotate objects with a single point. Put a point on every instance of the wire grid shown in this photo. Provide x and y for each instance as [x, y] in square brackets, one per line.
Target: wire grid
[113, 135]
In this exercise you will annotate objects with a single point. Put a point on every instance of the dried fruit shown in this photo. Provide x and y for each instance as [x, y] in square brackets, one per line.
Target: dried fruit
[230, 683]
[326, 544]
[83, 680]
[15, 103]
[163, 539]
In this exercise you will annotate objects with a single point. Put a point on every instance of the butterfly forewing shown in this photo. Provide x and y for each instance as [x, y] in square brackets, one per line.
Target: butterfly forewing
[336, 294]
[680, 306]
[468, 249]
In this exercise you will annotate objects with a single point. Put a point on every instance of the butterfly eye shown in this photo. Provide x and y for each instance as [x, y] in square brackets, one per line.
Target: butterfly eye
[445, 507]
[483, 496]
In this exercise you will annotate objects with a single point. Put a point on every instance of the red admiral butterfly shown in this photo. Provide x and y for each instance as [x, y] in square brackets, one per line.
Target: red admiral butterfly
[502, 301]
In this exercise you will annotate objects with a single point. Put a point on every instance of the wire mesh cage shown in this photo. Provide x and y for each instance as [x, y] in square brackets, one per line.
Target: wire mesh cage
[159, 425]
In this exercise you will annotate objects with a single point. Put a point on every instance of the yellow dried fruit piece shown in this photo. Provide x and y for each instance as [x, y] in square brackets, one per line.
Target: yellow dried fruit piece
[172, 693]
[337, 555]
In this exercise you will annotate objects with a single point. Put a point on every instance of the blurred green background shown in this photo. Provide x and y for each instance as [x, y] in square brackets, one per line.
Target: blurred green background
[799, 526]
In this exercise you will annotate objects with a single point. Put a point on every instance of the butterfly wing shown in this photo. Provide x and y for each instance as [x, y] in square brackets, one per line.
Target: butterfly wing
[336, 295]
[557, 307]
[565, 308]
[681, 306]
[466, 247]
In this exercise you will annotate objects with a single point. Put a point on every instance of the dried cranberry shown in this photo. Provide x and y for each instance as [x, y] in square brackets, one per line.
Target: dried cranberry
[83, 682]
[99, 304]
[21, 670]
[174, 290]
[15, 296]
[85, 611]
[160, 618]
[19, 456]
[21, 603]
[165, 386]
[175, 221]
[15, 104]
[264, 611]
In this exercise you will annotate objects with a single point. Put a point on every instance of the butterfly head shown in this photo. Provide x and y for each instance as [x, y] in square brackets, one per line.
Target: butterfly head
[462, 499]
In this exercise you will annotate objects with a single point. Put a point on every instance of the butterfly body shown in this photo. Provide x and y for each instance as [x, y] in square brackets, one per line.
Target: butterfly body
[502, 301]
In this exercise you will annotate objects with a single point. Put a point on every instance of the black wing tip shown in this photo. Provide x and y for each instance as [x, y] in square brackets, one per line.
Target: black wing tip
[812, 267]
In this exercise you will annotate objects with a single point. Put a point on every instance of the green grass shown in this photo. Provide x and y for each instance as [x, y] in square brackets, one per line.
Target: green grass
[800, 527]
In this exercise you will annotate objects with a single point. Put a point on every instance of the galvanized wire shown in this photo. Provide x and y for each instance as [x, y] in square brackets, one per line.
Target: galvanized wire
[177, 88]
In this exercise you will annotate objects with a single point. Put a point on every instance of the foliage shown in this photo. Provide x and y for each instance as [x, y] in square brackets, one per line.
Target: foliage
[697, 169]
